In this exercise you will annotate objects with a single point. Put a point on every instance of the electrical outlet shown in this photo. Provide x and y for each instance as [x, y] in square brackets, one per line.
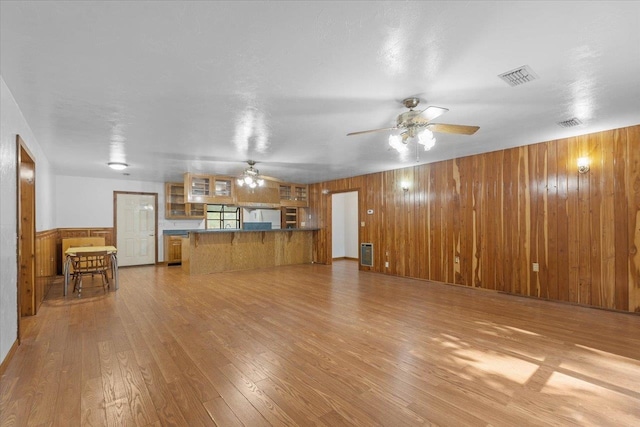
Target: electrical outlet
[362, 224]
[386, 264]
[536, 266]
[457, 260]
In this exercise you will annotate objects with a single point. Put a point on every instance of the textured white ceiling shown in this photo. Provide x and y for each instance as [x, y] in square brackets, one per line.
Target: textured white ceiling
[171, 87]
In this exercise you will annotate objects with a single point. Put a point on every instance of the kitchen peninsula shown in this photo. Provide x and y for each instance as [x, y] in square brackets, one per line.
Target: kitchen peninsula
[214, 251]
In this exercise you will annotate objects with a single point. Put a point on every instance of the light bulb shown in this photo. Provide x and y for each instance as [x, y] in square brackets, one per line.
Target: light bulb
[426, 138]
[395, 141]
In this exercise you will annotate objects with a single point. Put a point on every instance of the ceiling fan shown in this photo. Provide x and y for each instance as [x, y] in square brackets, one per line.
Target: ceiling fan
[414, 123]
[252, 178]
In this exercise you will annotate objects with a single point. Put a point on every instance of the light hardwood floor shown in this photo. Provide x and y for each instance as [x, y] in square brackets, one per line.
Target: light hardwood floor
[318, 345]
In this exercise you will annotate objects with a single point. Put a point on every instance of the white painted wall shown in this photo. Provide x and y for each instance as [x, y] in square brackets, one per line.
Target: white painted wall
[344, 225]
[88, 202]
[337, 226]
[351, 225]
[12, 123]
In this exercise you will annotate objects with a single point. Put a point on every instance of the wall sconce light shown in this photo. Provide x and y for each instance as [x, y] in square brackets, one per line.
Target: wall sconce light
[583, 165]
[405, 186]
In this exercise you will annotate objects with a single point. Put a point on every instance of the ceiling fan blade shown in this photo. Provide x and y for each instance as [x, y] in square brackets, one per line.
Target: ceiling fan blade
[270, 178]
[460, 129]
[430, 113]
[370, 131]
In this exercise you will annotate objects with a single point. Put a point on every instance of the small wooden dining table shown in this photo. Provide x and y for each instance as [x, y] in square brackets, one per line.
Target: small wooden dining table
[79, 250]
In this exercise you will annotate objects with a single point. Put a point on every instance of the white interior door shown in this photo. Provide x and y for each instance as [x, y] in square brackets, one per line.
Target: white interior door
[136, 229]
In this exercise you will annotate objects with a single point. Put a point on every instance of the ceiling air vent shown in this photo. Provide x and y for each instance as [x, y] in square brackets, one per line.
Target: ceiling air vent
[570, 123]
[519, 76]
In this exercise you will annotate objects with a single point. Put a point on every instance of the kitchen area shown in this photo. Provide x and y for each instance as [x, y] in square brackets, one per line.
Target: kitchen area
[245, 226]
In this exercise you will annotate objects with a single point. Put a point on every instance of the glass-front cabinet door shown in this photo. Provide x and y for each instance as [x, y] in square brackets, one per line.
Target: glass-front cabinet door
[198, 188]
[294, 195]
[208, 188]
[176, 206]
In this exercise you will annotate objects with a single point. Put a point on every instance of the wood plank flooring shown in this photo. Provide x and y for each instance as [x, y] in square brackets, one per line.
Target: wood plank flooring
[317, 345]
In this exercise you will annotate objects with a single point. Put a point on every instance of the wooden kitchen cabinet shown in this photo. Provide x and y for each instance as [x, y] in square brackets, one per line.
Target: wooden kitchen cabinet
[289, 217]
[215, 189]
[292, 195]
[173, 249]
[176, 207]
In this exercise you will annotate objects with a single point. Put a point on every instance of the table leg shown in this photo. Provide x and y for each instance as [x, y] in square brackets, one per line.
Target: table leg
[114, 270]
[67, 265]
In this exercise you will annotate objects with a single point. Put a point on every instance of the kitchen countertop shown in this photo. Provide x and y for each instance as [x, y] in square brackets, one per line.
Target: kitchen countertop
[230, 230]
[176, 232]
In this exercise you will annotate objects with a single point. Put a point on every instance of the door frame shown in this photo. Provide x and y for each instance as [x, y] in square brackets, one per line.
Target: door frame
[155, 209]
[25, 219]
[342, 192]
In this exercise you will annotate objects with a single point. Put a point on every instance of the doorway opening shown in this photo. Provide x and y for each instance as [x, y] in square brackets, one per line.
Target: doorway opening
[26, 213]
[344, 226]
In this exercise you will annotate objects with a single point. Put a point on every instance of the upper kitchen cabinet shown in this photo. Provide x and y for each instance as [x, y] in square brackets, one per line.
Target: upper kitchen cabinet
[209, 188]
[265, 196]
[294, 195]
[176, 207]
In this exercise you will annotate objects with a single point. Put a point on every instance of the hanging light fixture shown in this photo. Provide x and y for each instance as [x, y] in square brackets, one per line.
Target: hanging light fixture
[250, 177]
[424, 138]
[398, 143]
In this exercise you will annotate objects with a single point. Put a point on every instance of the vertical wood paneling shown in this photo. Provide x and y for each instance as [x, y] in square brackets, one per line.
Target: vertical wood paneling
[46, 253]
[552, 222]
[633, 195]
[523, 284]
[45, 262]
[573, 242]
[563, 221]
[499, 212]
[457, 222]
[584, 232]
[466, 221]
[508, 214]
[623, 229]
[595, 218]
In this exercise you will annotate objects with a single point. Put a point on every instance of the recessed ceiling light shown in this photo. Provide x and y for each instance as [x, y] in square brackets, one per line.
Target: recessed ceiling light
[117, 165]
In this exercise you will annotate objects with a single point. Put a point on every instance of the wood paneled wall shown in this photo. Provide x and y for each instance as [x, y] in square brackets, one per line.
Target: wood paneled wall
[64, 233]
[46, 253]
[483, 220]
[45, 259]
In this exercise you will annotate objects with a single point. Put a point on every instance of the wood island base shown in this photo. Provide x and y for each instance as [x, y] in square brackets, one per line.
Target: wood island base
[207, 252]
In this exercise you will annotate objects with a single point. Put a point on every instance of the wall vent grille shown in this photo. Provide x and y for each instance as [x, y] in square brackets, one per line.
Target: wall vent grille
[570, 123]
[366, 254]
[519, 76]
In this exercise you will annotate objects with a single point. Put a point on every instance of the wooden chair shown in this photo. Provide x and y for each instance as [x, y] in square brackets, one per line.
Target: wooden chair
[90, 263]
[79, 242]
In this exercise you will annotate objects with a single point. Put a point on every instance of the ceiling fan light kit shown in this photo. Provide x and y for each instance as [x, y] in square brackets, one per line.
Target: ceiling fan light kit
[418, 124]
[250, 177]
